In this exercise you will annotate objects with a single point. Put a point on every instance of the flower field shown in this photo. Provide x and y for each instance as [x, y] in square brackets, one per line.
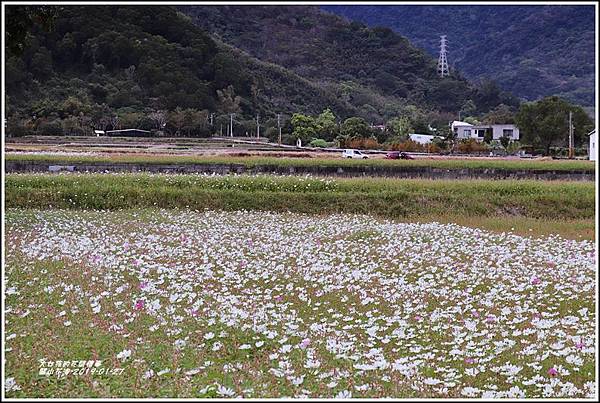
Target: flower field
[263, 304]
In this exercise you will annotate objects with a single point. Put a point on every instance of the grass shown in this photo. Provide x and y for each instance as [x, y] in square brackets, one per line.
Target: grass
[390, 198]
[524, 207]
[254, 161]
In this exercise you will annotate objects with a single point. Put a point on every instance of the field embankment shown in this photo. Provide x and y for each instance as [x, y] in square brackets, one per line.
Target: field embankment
[418, 168]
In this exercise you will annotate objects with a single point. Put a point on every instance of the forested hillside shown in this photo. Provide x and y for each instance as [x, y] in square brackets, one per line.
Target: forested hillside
[370, 68]
[160, 69]
[531, 51]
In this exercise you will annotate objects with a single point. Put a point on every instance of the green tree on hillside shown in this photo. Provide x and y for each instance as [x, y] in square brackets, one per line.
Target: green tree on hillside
[355, 127]
[304, 127]
[228, 101]
[546, 122]
[468, 109]
[400, 128]
[20, 21]
[326, 125]
[499, 115]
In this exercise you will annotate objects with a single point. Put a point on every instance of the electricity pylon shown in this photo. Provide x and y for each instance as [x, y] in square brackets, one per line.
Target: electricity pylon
[442, 66]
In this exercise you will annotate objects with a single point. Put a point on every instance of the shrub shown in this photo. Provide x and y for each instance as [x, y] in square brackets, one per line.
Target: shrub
[432, 148]
[319, 143]
[362, 143]
[471, 146]
[408, 145]
[18, 128]
[288, 139]
[52, 128]
[513, 147]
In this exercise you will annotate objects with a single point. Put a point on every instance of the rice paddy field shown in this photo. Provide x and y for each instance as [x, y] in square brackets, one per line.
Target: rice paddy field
[204, 286]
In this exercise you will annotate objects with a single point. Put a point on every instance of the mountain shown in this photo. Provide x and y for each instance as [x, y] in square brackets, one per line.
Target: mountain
[110, 66]
[373, 69]
[531, 51]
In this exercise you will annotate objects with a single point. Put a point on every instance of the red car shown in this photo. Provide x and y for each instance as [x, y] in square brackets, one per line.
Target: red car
[398, 155]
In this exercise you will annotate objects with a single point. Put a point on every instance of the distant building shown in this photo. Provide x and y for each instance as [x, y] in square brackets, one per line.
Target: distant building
[129, 133]
[593, 150]
[477, 132]
[422, 138]
[461, 130]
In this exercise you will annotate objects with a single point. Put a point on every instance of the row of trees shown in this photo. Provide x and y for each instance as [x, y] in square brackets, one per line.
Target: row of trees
[543, 124]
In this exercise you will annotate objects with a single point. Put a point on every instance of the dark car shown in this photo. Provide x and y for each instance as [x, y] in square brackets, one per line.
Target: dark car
[398, 155]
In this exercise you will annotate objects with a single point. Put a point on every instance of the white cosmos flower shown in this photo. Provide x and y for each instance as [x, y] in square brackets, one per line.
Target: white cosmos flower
[344, 394]
[225, 391]
[148, 374]
[11, 385]
[124, 355]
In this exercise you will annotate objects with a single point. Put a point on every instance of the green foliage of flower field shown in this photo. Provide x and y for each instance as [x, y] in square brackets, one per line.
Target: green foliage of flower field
[390, 198]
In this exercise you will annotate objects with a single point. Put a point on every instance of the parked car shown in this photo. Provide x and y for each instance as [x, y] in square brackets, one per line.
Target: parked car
[354, 154]
[398, 155]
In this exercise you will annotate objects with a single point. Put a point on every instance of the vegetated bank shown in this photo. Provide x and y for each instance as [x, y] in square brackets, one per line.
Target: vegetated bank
[420, 168]
[388, 198]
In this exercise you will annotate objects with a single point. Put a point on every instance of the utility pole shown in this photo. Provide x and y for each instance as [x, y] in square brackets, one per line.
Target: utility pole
[279, 126]
[231, 125]
[571, 153]
[257, 128]
[442, 65]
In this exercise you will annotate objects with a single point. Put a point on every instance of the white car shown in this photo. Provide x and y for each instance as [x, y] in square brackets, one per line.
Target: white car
[354, 154]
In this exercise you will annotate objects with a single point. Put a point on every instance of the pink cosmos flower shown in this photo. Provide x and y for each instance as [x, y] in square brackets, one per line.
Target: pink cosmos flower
[475, 313]
[139, 305]
[136, 262]
[304, 343]
[579, 345]
[143, 285]
[490, 319]
[552, 371]
[278, 298]
[469, 360]
[535, 280]
[418, 318]
[126, 245]
[551, 263]
[194, 312]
